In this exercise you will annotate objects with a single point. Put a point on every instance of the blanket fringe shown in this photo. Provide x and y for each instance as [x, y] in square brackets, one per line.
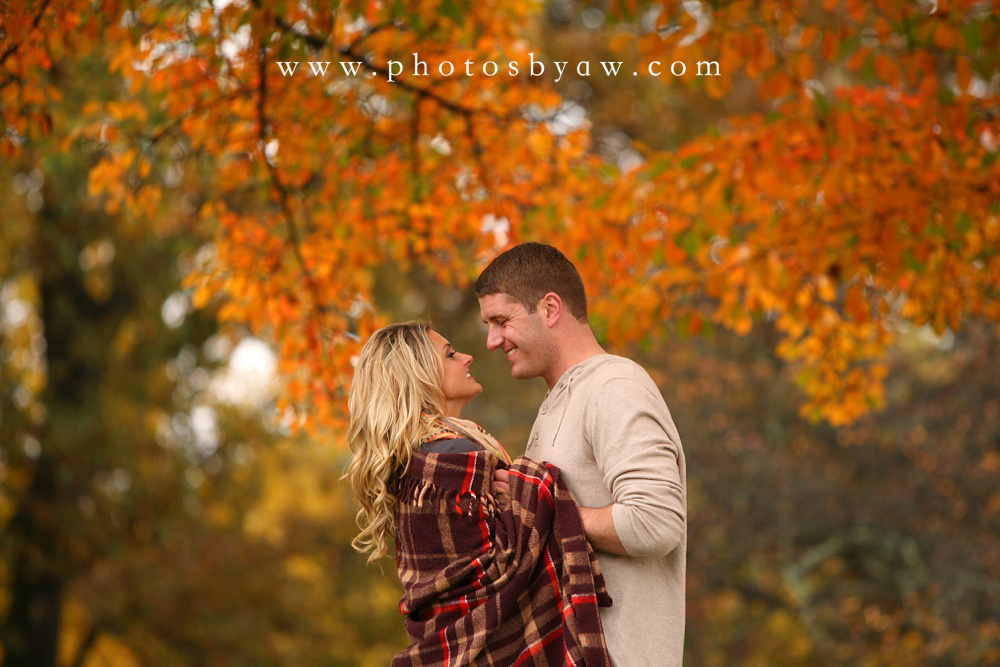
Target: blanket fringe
[417, 492]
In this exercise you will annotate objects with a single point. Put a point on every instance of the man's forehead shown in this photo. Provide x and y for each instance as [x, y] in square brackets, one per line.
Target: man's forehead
[498, 303]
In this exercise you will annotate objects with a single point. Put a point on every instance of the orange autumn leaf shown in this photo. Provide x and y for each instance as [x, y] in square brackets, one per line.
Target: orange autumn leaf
[864, 170]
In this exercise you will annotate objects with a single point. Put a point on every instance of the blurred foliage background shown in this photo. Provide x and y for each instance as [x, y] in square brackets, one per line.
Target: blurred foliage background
[158, 507]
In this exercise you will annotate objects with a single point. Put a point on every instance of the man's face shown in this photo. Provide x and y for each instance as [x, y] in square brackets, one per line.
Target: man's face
[522, 335]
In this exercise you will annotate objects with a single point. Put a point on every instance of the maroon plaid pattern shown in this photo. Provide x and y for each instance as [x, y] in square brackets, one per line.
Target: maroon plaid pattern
[485, 584]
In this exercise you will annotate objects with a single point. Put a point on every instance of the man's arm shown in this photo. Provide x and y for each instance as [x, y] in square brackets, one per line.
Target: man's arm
[599, 526]
[638, 451]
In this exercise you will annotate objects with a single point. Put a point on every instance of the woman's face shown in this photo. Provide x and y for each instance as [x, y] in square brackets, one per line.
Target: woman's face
[457, 383]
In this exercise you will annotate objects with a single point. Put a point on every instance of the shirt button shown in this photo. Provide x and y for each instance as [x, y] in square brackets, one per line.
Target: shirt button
[545, 409]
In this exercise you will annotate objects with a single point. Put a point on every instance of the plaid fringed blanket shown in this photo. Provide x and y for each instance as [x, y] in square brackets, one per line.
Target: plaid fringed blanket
[491, 585]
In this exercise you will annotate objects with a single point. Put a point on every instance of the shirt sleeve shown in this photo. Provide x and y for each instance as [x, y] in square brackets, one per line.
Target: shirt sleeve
[639, 454]
[451, 446]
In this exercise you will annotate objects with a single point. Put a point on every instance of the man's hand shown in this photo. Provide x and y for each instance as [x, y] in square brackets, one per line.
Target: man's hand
[599, 527]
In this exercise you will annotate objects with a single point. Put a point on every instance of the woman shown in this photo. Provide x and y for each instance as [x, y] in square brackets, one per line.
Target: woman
[408, 392]
[488, 577]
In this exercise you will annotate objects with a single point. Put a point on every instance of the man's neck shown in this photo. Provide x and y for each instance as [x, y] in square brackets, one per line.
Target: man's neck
[573, 350]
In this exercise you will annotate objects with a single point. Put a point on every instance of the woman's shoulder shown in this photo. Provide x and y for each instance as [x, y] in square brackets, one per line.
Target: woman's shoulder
[450, 446]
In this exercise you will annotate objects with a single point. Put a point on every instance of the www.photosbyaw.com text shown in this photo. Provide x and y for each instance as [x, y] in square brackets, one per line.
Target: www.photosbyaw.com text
[395, 69]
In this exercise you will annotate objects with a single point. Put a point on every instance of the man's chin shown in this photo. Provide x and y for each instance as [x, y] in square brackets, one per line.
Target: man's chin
[520, 373]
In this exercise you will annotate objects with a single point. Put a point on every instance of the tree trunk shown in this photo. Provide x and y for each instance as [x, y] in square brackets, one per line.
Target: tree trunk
[31, 630]
[76, 336]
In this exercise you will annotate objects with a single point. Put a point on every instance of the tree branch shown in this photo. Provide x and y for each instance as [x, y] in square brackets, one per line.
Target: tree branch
[351, 51]
[294, 237]
[34, 24]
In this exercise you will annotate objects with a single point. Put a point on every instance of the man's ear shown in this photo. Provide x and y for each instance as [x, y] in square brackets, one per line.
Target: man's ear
[551, 308]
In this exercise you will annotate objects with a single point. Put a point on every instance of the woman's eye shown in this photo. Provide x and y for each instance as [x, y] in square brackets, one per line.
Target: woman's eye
[451, 354]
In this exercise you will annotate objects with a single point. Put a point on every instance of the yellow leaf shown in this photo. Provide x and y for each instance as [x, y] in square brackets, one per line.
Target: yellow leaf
[825, 289]
[716, 87]
[201, 296]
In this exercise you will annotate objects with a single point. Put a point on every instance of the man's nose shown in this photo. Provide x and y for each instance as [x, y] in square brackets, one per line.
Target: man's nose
[493, 339]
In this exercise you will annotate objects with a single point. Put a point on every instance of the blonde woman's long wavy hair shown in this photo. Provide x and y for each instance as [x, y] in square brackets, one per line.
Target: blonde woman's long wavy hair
[395, 394]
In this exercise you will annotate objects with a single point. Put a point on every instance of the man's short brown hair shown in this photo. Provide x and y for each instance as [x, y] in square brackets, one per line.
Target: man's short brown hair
[529, 271]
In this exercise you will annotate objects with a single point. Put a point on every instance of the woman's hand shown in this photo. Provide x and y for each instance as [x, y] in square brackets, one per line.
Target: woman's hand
[501, 482]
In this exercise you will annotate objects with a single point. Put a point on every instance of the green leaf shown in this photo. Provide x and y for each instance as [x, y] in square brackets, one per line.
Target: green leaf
[911, 263]
[658, 258]
[688, 242]
[867, 70]
[963, 224]
[450, 10]
[973, 37]
[821, 104]
[658, 168]
[906, 28]
[683, 327]
[847, 46]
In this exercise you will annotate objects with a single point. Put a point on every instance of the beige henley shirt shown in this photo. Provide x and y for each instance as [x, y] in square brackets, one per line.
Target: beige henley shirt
[606, 426]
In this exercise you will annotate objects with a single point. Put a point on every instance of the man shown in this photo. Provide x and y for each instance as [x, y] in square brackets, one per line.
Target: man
[605, 425]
